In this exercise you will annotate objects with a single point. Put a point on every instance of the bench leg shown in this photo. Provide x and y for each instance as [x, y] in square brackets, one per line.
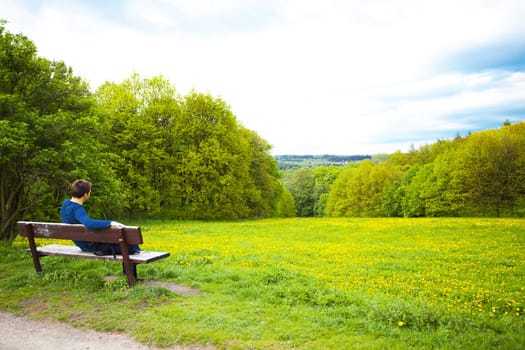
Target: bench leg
[133, 271]
[129, 267]
[128, 270]
[34, 253]
[36, 262]
[126, 262]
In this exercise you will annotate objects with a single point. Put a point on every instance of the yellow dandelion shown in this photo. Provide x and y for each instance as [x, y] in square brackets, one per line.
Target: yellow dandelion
[401, 323]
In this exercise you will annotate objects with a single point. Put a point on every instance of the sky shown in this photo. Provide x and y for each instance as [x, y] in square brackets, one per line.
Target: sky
[311, 77]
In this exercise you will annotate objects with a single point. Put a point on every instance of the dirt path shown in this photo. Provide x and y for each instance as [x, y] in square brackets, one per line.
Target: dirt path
[21, 333]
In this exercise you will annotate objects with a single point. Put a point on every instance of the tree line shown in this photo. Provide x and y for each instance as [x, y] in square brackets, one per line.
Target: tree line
[482, 174]
[149, 151]
[288, 161]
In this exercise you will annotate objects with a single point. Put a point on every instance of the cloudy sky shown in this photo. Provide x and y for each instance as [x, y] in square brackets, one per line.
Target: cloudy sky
[311, 77]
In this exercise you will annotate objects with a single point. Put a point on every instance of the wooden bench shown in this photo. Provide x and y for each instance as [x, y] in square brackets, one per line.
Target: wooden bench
[123, 236]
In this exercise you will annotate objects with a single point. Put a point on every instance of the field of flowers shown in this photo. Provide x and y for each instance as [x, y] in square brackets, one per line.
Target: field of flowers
[452, 275]
[326, 283]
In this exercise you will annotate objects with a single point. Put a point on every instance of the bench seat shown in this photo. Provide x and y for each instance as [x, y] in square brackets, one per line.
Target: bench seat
[144, 257]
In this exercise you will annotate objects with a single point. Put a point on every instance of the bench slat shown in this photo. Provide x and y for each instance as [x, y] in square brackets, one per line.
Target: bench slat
[78, 232]
[144, 257]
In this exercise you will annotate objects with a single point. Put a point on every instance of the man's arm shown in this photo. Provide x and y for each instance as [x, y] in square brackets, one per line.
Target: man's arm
[92, 224]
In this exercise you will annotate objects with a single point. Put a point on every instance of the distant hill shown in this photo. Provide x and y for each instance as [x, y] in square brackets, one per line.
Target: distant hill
[288, 161]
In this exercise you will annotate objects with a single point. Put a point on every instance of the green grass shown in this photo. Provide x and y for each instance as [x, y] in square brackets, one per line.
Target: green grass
[296, 284]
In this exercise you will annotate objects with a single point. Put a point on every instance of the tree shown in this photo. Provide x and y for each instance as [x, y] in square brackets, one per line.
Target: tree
[324, 176]
[491, 170]
[286, 206]
[514, 135]
[358, 191]
[138, 112]
[300, 183]
[212, 158]
[48, 136]
[187, 156]
[478, 175]
[265, 198]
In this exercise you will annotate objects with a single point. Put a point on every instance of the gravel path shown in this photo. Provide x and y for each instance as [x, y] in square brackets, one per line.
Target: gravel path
[21, 333]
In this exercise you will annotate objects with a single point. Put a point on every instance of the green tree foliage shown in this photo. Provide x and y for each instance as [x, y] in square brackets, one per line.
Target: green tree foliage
[357, 191]
[394, 198]
[323, 178]
[48, 130]
[516, 137]
[268, 196]
[138, 112]
[491, 171]
[428, 153]
[309, 187]
[187, 156]
[300, 182]
[286, 206]
[213, 160]
[480, 175]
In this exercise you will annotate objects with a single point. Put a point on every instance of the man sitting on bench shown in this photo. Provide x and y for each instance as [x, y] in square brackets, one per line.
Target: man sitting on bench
[73, 212]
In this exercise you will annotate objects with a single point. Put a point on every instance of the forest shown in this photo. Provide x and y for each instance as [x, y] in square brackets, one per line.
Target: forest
[482, 174]
[154, 153]
[149, 151]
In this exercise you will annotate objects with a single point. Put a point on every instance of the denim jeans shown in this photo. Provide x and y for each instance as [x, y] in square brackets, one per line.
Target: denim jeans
[115, 248]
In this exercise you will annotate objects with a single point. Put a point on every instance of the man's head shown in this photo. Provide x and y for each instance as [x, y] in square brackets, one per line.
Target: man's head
[80, 188]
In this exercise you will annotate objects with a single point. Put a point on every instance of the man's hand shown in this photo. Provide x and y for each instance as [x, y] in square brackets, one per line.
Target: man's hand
[116, 224]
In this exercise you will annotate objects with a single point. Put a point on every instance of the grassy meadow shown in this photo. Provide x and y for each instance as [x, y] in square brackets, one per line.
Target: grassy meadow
[296, 284]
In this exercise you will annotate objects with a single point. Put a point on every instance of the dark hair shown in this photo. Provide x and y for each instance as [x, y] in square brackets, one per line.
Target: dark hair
[80, 187]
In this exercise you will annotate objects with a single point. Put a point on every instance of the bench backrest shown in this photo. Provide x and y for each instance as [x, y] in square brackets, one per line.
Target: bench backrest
[132, 234]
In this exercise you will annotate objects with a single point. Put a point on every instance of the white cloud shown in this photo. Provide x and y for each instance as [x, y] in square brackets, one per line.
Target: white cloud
[309, 76]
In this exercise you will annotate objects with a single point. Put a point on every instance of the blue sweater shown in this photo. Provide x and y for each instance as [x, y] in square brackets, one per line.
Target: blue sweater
[74, 213]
